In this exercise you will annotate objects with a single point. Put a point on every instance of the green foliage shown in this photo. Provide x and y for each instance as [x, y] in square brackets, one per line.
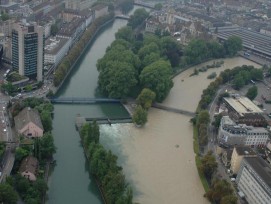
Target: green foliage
[220, 189]
[158, 6]
[30, 192]
[125, 5]
[208, 165]
[252, 92]
[7, 194]
[28, 88]
[46, 120]
[229, 199]
[211, 76]
[233, 45]
[125, 33]
[46, 146]
[138, 17]
[4, 16]
[54, 29]
[145, 98]
[103, 165]
[217, 120]
[203, 117]
[22, 152]
[157, 77]
[140, 116]
[9, 88]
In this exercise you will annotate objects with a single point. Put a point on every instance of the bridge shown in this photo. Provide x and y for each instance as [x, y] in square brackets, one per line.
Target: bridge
[173, 110]
[144, 4]
[121, 16]
[76, 100]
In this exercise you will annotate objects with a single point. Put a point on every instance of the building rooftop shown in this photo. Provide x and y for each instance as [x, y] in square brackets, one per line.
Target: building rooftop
[53, 45]
[243, 151]
[262, 168]
[69, 29]
[242, 105]
[27, 115]
[29, 164]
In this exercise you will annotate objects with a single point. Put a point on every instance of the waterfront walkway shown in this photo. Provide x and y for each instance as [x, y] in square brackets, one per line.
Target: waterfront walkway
[174, 110]
[75, 100]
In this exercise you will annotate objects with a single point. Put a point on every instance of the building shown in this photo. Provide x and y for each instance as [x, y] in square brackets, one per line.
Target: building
[29, 168]
[78, 4]
[55, 49]
[254, 180]
[152, 25]
[100, 10]
[231, 134]
[243, 111]
[28, 123]
[27, 50]
[238, 154]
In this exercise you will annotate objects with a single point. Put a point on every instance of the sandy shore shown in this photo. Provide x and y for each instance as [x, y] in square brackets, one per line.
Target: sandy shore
[159, 160]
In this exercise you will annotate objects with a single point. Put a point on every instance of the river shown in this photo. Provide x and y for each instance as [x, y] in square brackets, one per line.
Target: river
[158, 159]
[70, 181]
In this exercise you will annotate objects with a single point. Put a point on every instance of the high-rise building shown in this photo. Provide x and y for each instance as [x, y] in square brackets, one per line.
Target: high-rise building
[28, 49]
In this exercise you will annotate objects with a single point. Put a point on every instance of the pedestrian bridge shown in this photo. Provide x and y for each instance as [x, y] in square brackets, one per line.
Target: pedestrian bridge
[174, 110]
[120, 16]
[76, 100]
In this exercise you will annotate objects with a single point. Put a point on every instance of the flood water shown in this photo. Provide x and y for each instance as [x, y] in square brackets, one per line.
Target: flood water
[158, 159]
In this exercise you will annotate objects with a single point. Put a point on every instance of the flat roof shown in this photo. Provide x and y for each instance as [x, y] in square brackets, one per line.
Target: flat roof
[242, 105]
[244, 151]
[261, 167]
[53, 45]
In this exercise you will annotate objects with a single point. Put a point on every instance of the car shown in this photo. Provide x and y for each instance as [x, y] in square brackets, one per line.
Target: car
[5, 130]
[233, 179]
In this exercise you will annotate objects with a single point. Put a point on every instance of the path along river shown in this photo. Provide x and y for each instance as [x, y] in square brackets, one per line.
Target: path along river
[158, 171]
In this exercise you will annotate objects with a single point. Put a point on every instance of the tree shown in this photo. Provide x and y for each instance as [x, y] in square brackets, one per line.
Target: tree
[21, 153]
[4, 16]
[7, 194]
[140, 116]
[217, 120]
[117, 79]
[28, 88]
[54, 29]
[218, 190]
[125, 33]
[157, 77]
[203, 117]
[238, 81]
[252, 92]
[208, 165]
[196, 51]
[46, 146]
[158, 6]
[138, 17]
[145, 98]
[229, 199]
[233, 45]
[46, 120]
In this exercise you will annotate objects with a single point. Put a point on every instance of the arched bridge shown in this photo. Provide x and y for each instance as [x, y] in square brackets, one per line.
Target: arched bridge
[75, 100]
[174, 110]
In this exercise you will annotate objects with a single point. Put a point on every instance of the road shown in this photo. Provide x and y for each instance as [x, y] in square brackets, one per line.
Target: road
[6, 136]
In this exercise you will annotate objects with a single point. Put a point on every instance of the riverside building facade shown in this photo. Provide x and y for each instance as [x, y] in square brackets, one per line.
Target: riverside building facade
[28, 50]
[254, 180]
[231, 134]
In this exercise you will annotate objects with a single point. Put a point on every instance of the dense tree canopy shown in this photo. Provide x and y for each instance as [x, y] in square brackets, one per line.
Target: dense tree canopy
[157, 77]
[208, 165]
[252, 92]
[138, 17]
[7, 194]
[233, 45]
[145, 98]
[140, 116]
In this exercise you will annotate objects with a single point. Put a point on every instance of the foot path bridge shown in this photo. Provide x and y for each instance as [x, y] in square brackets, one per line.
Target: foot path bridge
[173, 110]
[75, 100]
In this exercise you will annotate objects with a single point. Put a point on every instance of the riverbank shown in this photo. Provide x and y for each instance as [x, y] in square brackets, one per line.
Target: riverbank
[158, 159]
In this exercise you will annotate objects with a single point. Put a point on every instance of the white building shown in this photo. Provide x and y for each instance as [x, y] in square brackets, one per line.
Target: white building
[231, 133]
[55, 49]
[254, 180]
